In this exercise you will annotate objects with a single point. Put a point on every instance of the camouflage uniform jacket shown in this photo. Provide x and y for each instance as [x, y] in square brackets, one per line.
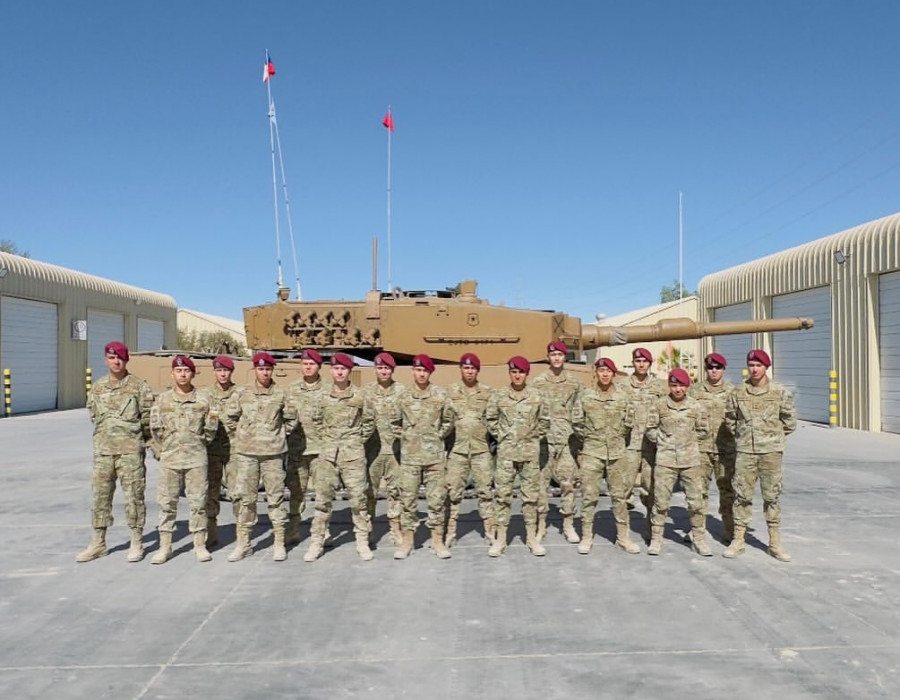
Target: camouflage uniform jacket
[600, 421]
[182, 426]
[469, 407]
[386, 405]
[643, 395]
[519, 420]
[760, 417]
[343, 420]
[677, 428]
[303, 440]
[120, 412]
[714, 398]
[425, 419]
[260, 417]
[218, 397]
[562, 393]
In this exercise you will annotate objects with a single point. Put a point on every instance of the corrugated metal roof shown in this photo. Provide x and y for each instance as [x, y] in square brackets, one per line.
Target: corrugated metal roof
[641, 315]
[188, 318]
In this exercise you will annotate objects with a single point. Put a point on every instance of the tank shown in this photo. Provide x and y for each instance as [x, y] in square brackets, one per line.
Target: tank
[446, 323]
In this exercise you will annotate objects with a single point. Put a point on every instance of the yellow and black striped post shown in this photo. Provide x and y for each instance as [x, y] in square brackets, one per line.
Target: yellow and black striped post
[833, 399]
[88, 381]
[7, 392]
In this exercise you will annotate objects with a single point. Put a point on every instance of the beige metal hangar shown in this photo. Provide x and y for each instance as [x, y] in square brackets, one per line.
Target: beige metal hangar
[54, 323]
[849, 283]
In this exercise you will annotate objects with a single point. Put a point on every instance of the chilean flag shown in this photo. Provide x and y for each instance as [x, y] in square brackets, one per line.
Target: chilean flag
[268, 69]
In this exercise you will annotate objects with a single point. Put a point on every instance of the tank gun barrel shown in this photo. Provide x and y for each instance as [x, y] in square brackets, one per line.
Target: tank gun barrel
[684, 329]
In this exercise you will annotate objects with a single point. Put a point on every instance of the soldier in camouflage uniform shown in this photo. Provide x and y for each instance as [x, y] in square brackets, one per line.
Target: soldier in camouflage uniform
[260, 416]
[600, 423]
[343, 420]
[119, 405]
[519, 418]
[425, 420]
[383, 449]
[469, 456]
[676, 424]
[303, 444]
[761, 414]
[182, 423]
[562, 390]
[219, 450]
[717, 448]
[646, 389]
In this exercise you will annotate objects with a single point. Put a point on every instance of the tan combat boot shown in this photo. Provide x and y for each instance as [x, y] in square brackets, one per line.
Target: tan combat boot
[736, 548]
[406, 545]
[587, 535]
[437, 544]
[212, 532]
[775, 549]
[362, 547]
[624, 541]
[164, 553]
[242, 547]
[532, 541]
[656, 537]
[315, 548]
[200, 550]
[136, 550]
[541, 527]
[498, 546]
[450, 536]
[490, 530]
[279, 553]
[97, 547]
[396, 535]
[699, 543]
[292, 531]
[569, 529]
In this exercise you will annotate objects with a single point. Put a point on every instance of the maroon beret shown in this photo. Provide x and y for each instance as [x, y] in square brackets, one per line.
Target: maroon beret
[760, 356]
[118, 349]
[679, 376]
[385, 358]
[520, 363]
[423, 361]
[263, 359]
[310, 354]
[558, 346]
[223, 362]
[183, 361]
[642, 352]
[343, 360]
[606, 362]
[714, 358]
[470, 359]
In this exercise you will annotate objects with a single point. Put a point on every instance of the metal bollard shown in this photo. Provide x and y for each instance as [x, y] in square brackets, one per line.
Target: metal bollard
[833, 399]
[88, 381]
[7, 392]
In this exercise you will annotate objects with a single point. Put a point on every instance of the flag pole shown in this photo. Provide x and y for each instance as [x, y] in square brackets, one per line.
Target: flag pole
[271, 102]
[389, 255]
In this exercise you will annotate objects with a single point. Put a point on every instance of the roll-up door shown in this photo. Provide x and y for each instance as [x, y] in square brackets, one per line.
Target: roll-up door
[29, 348]
[889, 350]
[734, 348]
[150, 334]
[801, 360]
[103, 327]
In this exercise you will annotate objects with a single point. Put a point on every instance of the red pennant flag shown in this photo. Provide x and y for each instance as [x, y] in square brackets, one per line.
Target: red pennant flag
[388, 121]
[268, 69]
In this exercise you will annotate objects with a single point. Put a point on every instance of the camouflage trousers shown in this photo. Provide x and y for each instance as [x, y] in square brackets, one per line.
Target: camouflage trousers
[353, 474]
[619, 474]
[250, 470]
[720, 467]
[749, 468]
[132, 475]
[530, 486]
[221, 468]
[664, 479]
[196, 487]
[299, 473]
[435, 478]
[642, 463]
[384, 468]
[479, 469]
[558, 464]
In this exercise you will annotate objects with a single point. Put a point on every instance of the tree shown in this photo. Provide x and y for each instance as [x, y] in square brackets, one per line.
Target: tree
[673, 292]
[8, 246]
[212, 342]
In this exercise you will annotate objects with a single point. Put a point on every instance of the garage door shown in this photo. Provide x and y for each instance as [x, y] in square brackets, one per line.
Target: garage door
[103, 327]
[150, 334]
[734, 348]
[29, 347]
[802, 359]
[889, 350]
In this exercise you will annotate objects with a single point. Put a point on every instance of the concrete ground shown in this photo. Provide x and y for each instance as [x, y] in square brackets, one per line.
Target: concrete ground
[610, 624]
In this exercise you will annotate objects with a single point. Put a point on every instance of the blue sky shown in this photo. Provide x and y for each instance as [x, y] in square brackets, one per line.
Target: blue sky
[539, 146]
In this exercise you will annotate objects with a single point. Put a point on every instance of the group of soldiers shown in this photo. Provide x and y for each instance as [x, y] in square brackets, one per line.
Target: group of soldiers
[640, 433]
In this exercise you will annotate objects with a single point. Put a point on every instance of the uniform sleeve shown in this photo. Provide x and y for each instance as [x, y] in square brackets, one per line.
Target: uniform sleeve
[289, 414]
[701, 425]
[543, 418]
[92, 405]
[448, 418]
[788, 412]
[210, 423]
[155, 424]
[231, 412]
[397, 418]
[731, 412]
[578, 424]
[368, 419]
[145, 403]
[492, 415]
[653, 422]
